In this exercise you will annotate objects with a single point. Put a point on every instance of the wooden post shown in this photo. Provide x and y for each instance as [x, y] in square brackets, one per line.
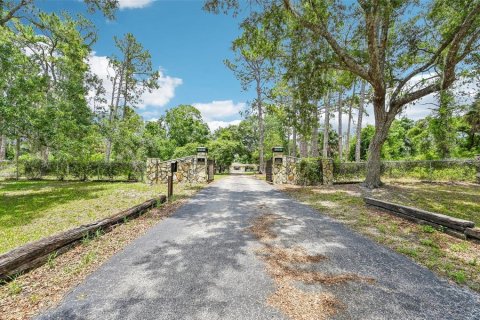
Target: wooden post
[170, 186]
[173, 169]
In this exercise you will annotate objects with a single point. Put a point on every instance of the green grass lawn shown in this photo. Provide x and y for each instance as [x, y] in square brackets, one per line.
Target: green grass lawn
[456, 200]
[30, 210]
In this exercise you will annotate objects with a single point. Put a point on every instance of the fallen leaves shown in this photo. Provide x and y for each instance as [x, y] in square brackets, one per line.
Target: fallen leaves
[289, 265]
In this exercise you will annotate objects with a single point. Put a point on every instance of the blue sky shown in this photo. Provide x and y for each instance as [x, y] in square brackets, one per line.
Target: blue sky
[186, 43]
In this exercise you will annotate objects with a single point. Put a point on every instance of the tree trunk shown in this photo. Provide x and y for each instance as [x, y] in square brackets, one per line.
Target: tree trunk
[3, 147]
[359, 122]
[289, 150]
[115, 102]
[340, 133]
[314, 143]
[17, 154]
[260, 128]
[347, 144]
[44, 153]
[303, 147]
[326, 126]
[383, 121]
[443, 132]
[294, 141]
[108, 150]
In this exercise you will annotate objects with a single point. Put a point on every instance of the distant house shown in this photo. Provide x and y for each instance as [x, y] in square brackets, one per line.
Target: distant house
[243, 168]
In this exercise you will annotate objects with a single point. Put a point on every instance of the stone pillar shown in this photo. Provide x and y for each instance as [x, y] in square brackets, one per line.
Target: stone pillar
[327, 171]
[152, 171]
[200, 172]
[279, 172]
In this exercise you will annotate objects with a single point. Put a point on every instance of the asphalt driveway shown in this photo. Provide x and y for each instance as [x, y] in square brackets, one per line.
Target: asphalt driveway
[200, 264]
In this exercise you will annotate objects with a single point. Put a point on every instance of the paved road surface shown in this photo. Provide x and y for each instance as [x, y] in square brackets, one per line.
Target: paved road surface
[200, 264]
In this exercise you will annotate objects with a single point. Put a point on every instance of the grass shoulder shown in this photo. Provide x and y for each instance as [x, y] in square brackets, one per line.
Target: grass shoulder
[453, 258]
[31, 210]
[26, 295]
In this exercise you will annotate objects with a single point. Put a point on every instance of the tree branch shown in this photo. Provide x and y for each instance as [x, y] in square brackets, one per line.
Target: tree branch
[12, 12]
[346, 59]
[453, 40]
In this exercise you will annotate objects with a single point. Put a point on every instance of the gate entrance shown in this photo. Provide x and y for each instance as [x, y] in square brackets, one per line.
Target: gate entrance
[269, 170]
[211, 169]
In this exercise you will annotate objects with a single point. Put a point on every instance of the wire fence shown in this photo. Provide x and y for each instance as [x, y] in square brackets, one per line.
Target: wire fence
[73, 170]
[461, 170]
[7, 169]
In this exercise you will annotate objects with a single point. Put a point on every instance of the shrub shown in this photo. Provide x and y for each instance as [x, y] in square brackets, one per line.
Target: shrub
[309, 171]
[84, 170]
[431, 170]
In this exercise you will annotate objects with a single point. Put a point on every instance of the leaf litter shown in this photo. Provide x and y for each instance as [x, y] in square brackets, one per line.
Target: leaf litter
[287, 266]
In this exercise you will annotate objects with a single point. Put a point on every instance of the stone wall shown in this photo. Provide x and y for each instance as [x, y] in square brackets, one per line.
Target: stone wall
[189, 170]
[288, 171]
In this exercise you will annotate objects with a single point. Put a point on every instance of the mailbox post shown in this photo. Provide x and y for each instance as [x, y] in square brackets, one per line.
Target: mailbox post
[202, 155]
[173, 169]
[277, 155]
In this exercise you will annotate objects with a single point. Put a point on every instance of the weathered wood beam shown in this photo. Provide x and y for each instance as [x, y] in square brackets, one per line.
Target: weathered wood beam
[36, 253]
[473, 233]
[440, 219]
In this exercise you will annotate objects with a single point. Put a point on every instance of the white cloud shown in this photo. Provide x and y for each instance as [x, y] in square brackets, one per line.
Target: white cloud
[161, 96]
[219, 113]
[218, 110]
[157, 98]
[214, 125]
[132, 4]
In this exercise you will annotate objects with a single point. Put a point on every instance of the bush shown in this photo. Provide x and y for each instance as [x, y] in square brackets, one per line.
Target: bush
[84, 170]
[35, 169]
[349, 171]
[431, 170]
[309, 171]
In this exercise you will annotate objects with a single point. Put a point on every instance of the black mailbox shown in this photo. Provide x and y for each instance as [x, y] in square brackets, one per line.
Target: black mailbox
[173, 167]
[278, 160]
[201, 161]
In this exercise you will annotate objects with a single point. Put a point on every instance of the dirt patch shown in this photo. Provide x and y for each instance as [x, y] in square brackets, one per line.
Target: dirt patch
[44, 287]
[282, 271]
[297, 304]
[261, 227]
[289, 265]
[290, 255]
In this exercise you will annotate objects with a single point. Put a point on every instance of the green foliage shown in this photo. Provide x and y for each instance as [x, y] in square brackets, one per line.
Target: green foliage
[224, 152]
[186, 150]
[309, 171]
[51, 259]
[428, 229]
[83, 170]
[459, 276]
[409, 251]
[14, 287]
[184, 124]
